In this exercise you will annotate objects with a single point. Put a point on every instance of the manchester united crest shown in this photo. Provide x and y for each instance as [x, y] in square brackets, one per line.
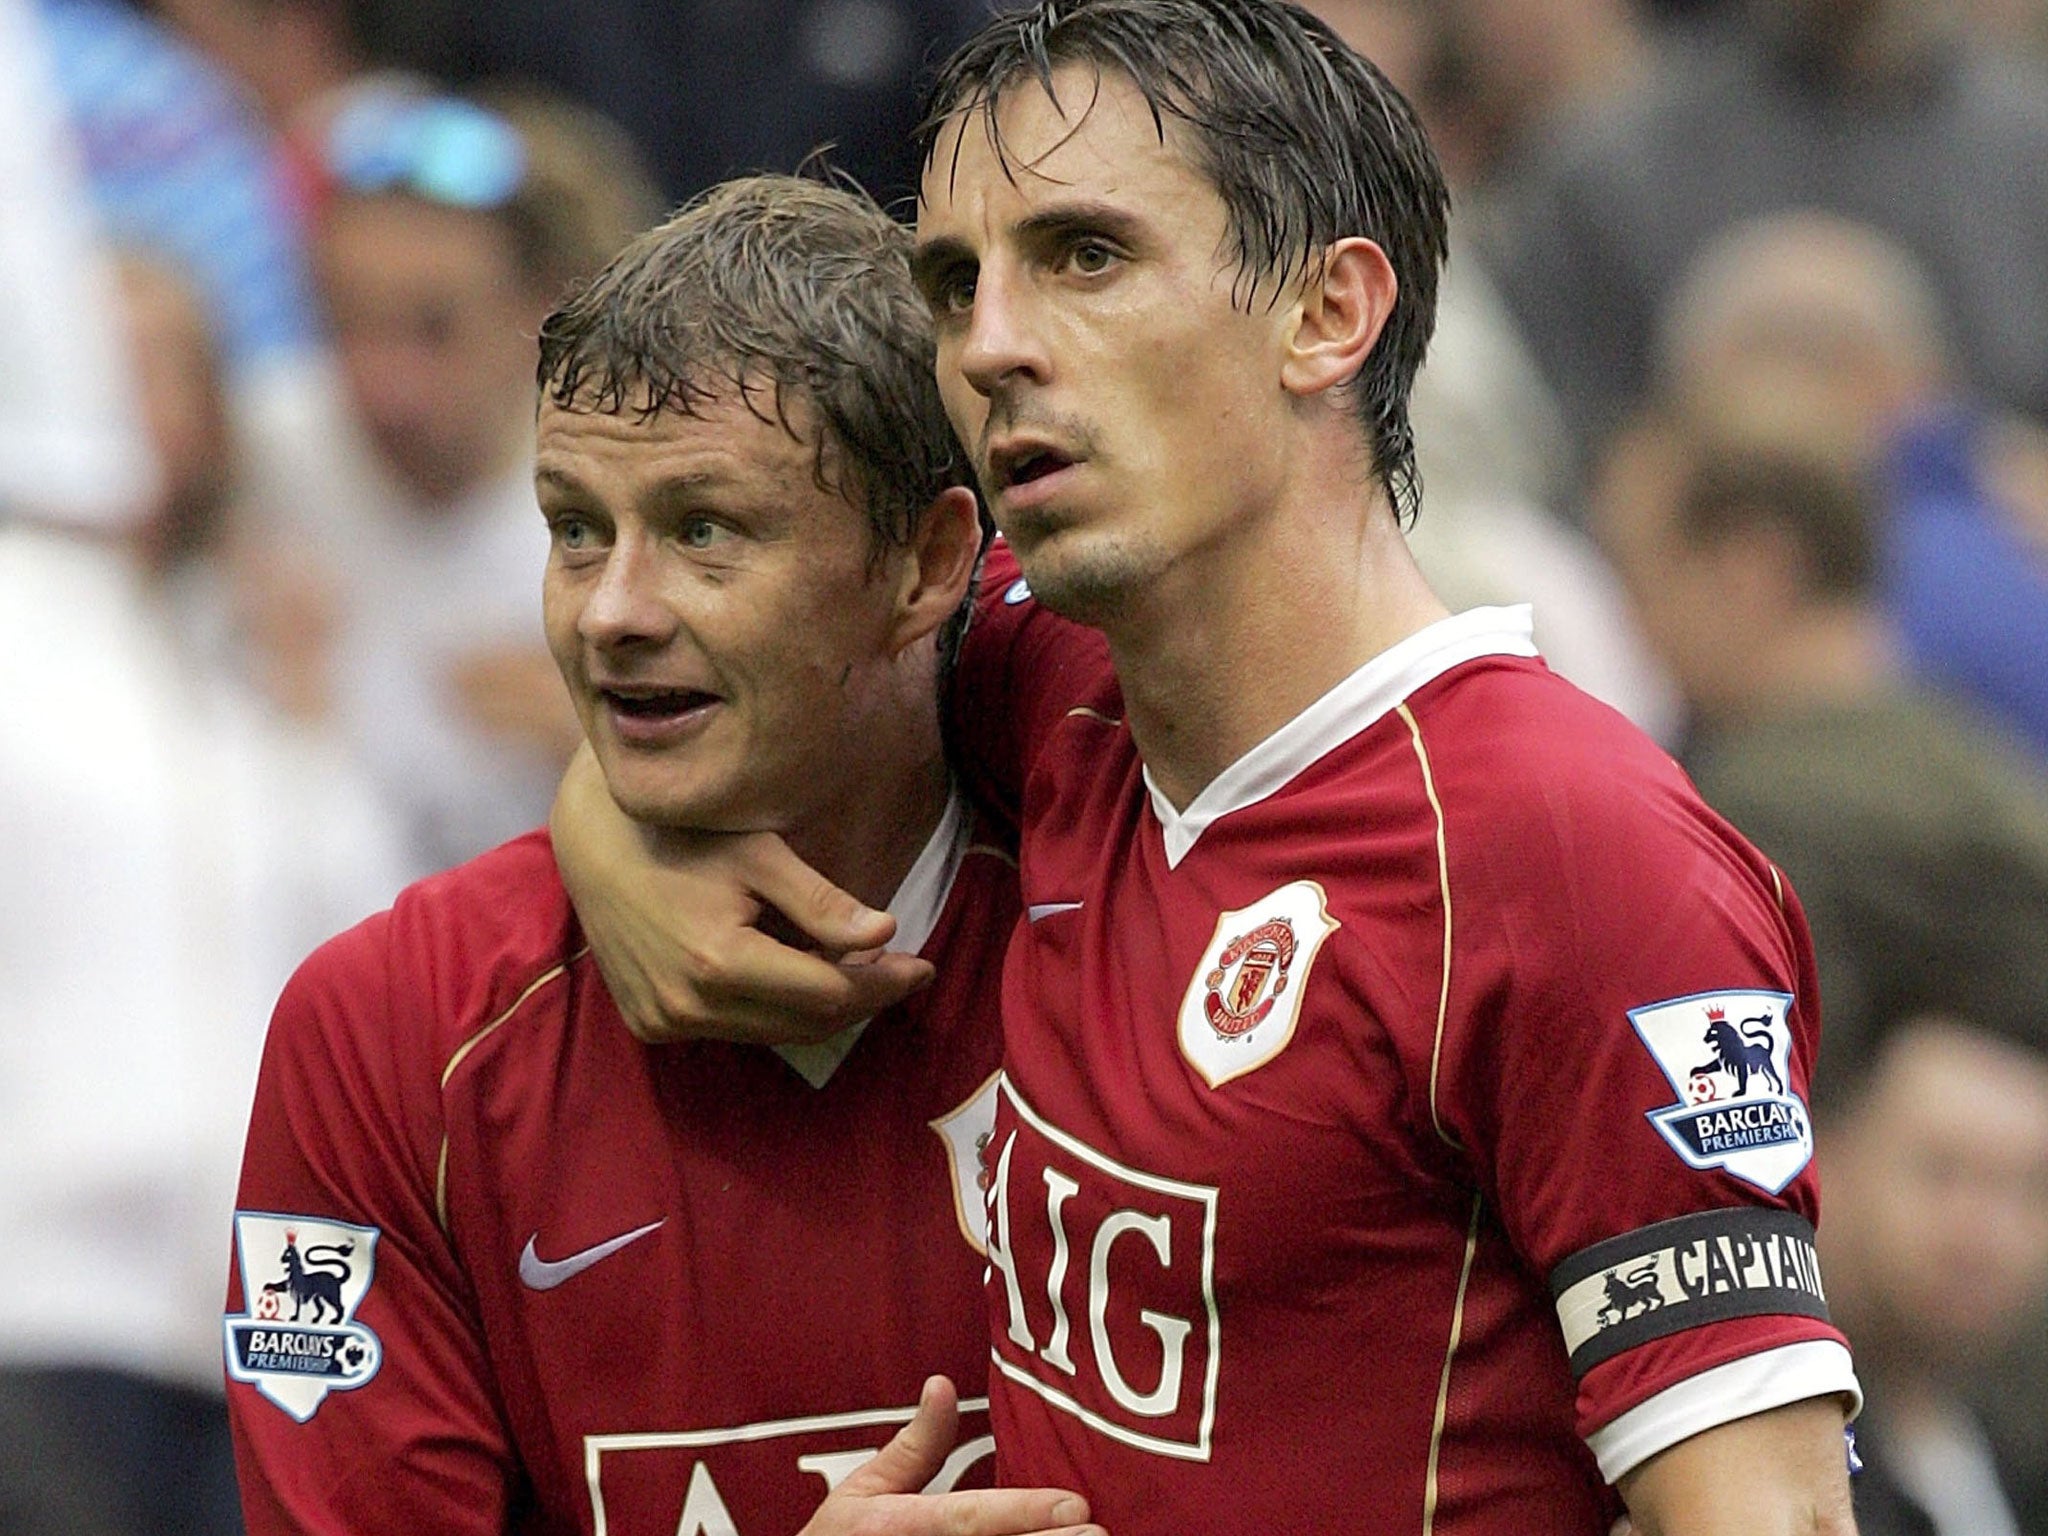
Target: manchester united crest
[1241, 1009]
[1252, 970]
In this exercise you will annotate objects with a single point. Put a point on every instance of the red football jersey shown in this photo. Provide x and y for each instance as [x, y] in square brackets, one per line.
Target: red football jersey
[1406, 1136]
[500, 1267]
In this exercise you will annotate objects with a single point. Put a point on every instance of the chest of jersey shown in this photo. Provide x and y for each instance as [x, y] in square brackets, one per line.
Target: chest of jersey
[713, 1290]
[1230, 1255]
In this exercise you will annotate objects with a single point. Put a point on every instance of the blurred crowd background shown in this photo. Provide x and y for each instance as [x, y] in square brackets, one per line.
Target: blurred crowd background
[1741, 378]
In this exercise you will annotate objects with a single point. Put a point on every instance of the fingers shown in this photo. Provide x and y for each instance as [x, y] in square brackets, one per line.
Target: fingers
[767, 993]
[823, 913]
[987, 1512]
[914, 1456]
[753, 990]
[683, 927]
[882, 1498]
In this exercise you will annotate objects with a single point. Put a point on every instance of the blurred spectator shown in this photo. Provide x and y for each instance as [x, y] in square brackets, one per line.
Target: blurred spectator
[1916, 839]
[1935, 1247]
[245, 602]
[1490, 443]
[2018, 26]
[179, 160]
[289, 55]
[711, 88]
[1674, 12]
[1507, 71]
[172, 850]
[1881, 110]
[1839, 319]
[444, 234]
[71, 436]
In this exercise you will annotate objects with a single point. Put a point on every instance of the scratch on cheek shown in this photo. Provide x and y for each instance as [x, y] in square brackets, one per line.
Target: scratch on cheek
[846, 674]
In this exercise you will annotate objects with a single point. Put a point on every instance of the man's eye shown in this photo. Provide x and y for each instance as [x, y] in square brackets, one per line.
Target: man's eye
[701, 533]
[956, 293]
[1090, 257]
[572, 533]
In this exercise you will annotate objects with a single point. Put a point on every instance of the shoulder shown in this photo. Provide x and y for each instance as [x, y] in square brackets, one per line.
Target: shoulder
[1517, 743]
[453, 950]
[1555, 807]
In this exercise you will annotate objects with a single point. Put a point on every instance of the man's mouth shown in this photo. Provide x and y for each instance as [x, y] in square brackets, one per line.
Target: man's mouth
[654, 706]
[1011, 467]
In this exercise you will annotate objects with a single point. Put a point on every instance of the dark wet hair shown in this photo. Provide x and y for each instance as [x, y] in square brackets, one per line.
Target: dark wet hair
[771, 289]
[1305, 142]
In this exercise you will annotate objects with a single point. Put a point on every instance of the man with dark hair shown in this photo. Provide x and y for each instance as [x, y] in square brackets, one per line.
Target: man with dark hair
[1402, 1122]
[499, 1267]
[1937, 1245]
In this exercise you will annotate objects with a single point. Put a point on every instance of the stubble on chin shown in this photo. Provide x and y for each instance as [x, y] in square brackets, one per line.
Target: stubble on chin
[1092, 582]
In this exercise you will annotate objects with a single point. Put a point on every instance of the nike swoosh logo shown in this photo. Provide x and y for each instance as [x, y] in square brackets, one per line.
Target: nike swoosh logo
[1041, 909]
[545, 1274]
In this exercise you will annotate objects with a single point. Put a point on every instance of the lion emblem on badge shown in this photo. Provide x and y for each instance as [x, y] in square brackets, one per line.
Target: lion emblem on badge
[1741, 1052]
[1237, 1004]
[1628, 1293]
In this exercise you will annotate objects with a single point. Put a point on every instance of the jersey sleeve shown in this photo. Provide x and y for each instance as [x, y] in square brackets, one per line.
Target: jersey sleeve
[359, 1390]
[1021, 668]
[1624, 1060]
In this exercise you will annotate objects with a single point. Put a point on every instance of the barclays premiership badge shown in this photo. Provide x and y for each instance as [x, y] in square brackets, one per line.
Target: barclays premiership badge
[302, 1280]
[1729, 1058]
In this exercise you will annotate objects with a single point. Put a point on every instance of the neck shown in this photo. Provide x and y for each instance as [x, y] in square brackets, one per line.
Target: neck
[865, 839]
[1241, 637]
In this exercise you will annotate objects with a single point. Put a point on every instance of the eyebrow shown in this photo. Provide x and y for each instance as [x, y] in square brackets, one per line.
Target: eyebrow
[934, 257]
[1085, 217]
[551, 478]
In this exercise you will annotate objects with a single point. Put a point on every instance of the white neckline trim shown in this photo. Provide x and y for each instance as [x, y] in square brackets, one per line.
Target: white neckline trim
[1347, 709]
[916, 906]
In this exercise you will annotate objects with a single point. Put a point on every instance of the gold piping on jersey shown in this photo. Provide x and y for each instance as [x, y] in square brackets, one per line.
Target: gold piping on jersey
[993, 852]
[1777, 886]
[1083, 712]
[1443, 880]
[1443, 1385]
[462, 1053]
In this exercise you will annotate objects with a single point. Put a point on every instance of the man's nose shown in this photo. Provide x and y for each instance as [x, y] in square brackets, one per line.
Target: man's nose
[1004, 341]
[626, 606]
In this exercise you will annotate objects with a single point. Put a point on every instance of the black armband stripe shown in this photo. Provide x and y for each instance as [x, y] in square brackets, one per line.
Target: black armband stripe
[1747, 1261]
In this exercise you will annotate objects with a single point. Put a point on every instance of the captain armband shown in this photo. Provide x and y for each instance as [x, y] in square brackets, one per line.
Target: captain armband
[1748, 1261]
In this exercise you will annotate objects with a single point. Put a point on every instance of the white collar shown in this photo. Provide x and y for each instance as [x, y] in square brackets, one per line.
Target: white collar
[1347, 709]
[916, 907]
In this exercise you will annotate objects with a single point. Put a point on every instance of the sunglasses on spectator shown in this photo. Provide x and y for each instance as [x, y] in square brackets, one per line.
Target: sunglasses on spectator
[434, 147]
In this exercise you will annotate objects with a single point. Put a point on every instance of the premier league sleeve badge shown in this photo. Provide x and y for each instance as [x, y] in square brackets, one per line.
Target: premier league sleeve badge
[1728, 1056]
[302, 1280]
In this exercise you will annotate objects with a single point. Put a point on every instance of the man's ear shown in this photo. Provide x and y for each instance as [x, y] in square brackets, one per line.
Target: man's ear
[1341, 312]
[937, 566]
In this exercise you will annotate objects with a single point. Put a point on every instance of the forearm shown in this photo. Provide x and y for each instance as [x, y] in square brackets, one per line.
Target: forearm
[1781, 1473]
